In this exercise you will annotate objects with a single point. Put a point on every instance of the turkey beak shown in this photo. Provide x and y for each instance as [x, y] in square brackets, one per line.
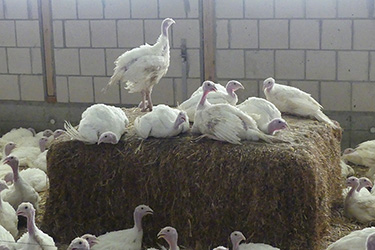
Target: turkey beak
[241, 86]
[6, 161]
[94, 241]
[150, 211]
[161, 235]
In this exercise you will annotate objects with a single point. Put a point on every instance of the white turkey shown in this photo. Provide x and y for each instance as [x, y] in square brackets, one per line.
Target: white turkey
[16, 135]
[143, 67]
[79, 244]
[220, 88]
[170, 235]
[99, 123]
[8, 149]
[28, 154]
[236, 237]
[20, 191]
[229, 97]
[224, 122]
[91, 239]
[355, 240]
[36, 178]
[127, 239]
[346, 170]
[162, 122]
[267, 116]
[361, 190]
[45, 133]
[6, 239]
[294, 101]
[34, 238]
[4, 168]
[8, 217]
[359, 207]
[363, 154]
[41, 160]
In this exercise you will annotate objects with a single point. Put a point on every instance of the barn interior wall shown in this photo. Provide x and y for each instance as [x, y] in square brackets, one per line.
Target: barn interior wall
[325, 47]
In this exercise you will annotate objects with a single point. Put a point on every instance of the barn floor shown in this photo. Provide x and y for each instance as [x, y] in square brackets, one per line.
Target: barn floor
[340, 225]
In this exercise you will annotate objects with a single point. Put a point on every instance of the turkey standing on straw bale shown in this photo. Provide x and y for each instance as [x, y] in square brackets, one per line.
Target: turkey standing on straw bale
[143, 67]
[100, 123]
[267, 116]
[128, 239]
[6, 239]
[8, 217]
[356, 240]
[34, 238]
[359, 207]
[91, 239]
[79, 244]
[162, 122]
[294, 101]
[20, 191]
[224, 122]
[236, 237]
[228, 96]
[170, 235]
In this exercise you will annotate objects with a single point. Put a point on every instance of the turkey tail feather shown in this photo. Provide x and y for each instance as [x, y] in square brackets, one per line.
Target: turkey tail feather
[320, 116]
[73, 132]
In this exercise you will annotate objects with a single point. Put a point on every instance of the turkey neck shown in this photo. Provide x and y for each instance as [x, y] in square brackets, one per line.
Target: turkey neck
[350, 195]
[138, 221]
[177, 123]
[236, 246]
[16, 175]
[31, 227]
[7, 150]
[231, 92]
[203, 101]
[42, 146]
[174, 246]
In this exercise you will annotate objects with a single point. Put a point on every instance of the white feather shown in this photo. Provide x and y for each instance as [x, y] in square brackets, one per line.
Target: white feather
[160, 123]
[355, 240]
[96, 120]
[261, 110]
[295, 101]
[6, 239]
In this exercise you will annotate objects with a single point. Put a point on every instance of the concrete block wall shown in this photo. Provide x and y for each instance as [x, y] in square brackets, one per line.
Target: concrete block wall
[21, 76]
[325, 47]
[90, 34]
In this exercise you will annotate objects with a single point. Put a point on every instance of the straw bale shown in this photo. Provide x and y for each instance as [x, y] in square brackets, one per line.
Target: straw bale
[279, 193]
